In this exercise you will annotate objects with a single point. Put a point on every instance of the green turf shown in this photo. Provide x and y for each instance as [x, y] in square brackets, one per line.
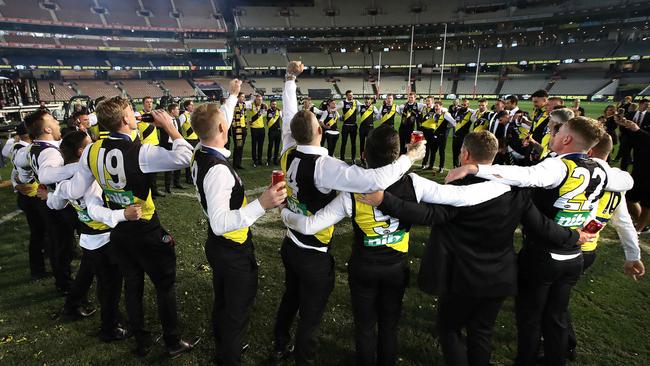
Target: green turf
[609, 309]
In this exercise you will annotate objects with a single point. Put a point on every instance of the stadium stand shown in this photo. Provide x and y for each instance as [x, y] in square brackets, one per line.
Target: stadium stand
[127, 43]
[351, 59]
[486, 84]
[97, 88]
[26, 39]
[524, 83]
[391, 58]
[578, 85]
[205, 43]
[178, 87]
[23, 9]
[196, 14]
[70, 11]
[431, 85]
[140, 88]
[306, 83]
[64, 91]
[587, 49]
[78, 41]
[641, 48]
[266, 85]
[356, 84]
[265, 59]
[160, 10]
[123, 12]
[124, 60]
[392, 84]
[609, 89]
[312, 58]
[82, 60]
[260, 17]
[532, 53]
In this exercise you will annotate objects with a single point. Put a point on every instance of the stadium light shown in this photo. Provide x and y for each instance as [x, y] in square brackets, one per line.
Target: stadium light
[343, 50]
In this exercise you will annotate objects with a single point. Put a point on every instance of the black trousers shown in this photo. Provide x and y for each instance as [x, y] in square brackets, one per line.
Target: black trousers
[405, 130]
[456, 144]
[188, 170]
[331, 139]
[477, 317]
[32, 207]
[152, 179]
[588, 259]
[257, 145]
[234, 280]
[351, 132]
[625, 151]
[377, 291]
[61, 235]
[81, 284]
[139, 252]
[239, 139]
[429, 155]
[273, 150]
[438, 146]
[308, 281]
[541, 306]
[172, 177]
[363, 134]
[109, 284]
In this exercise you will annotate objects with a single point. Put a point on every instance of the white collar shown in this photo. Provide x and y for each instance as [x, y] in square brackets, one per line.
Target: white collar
[309, 149]
[50, 142]
[223, 151]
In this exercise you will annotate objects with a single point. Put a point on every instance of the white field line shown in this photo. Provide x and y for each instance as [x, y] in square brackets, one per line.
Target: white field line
[9, 216]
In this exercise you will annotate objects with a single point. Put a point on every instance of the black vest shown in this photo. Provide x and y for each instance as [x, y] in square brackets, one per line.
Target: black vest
[386, 109]
[382, 239]
[346, 107]
[409, 114]
[204, 159]
[368, 122]
[35, 150]
[304, 197]
[330, 119]
[270, 114]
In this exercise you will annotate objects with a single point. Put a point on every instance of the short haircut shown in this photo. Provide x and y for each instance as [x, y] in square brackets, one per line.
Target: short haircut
[147, 97]
[603, 147]
[21, 129]
[70, 144]
[513, 99]
[110, 113]
[481, 145]
[171, 106]
[302, 128]
[556, 99]
[412, 93]
[482, 100]
[439, 102]
[307, 98]
[78, 114]
[35, 123]
[499, 101]
[541, 93]
[590, 130]
[429, 97]
[348, 92]
[502, 114]
[389, 95]
[464, 100]
[204, 120]
[186, 103]
[644, 100]
[382, 146]
[240, 94]
[561, 115]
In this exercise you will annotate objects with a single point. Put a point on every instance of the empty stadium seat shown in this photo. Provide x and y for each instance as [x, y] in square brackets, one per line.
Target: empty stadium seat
[524, 83]
[63, 90]
[486, 84]
[179, 87]
[141, 88]
[578, 85]
[97, 88]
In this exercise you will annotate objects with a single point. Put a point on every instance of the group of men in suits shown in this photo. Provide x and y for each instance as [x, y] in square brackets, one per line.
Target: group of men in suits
[103, 190]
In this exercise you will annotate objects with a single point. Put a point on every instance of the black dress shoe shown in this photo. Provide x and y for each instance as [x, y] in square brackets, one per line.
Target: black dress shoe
[143, 346]
[179, 186]
[78, 313]
[571, 354]
[281, 355]
[116, 334]
[63, 291]
[182, 347]
[157, 193]
[168, 190]
[40, 276]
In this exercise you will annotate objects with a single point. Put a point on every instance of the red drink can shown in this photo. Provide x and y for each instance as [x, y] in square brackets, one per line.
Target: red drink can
[276, 177]
[593, 227]
[417, 136]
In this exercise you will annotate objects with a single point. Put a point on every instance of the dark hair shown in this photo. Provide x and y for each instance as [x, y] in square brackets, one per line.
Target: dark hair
[70, 144]
[187, 103]
[481, 145]
[513, 99]
[482, 100]
[382, 146]
[541, 93]
[34, 122]
[301, 127]
[644, 100]
[240, 94]
[348, 92]
[502, 114]
[170, 107]
[147, 97]
[21, 129]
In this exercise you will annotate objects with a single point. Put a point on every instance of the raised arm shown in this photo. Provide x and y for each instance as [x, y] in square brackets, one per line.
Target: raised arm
[228, 108]
[290, 103]
[335, 211]
[431, 192]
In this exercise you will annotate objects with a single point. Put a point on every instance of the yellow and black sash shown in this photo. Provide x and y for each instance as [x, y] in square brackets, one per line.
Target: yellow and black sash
[257, 117]
[188, 131]
[351, 111]
[388, 115]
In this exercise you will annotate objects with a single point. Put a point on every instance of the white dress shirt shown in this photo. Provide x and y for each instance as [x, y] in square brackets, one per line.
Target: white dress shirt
[6, 149]
[425, 191]
[549, 173]
[217, 185]
[92, 199]
[51, 168]
[151, 159]
[336, 117]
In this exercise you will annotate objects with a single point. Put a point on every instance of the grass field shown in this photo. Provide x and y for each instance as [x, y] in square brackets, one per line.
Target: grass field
[610, 311]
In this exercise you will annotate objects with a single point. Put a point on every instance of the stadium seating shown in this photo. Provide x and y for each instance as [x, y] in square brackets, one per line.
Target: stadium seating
[578, 85]
[23, 9]
[486, 84]
[641, 48]
[392, 84]
[141, 88]
[178, 87]
[122, 60]
[356, 84]
[265, 59]
[123, 13]
[391, 58]
[12, 38]
[524, 83]
[609, 89]
[82, 60]
[312, 58]
[306, 83]
[351, 59]
[97, 88]
[64, 91]
[127, 43]
[430, 85]
[73, 11]
[196, 14]
[259, 17]
[205, 43]
[266, 85]
[160, 10]
[78, 41]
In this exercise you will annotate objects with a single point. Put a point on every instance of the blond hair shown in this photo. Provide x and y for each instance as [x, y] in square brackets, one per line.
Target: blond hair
[588, 129]
[205, 121]
[110, 113]
[481, 145]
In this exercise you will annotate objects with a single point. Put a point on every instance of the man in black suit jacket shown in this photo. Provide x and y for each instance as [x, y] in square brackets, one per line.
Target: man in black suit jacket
[470, 261]
[638, 198]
